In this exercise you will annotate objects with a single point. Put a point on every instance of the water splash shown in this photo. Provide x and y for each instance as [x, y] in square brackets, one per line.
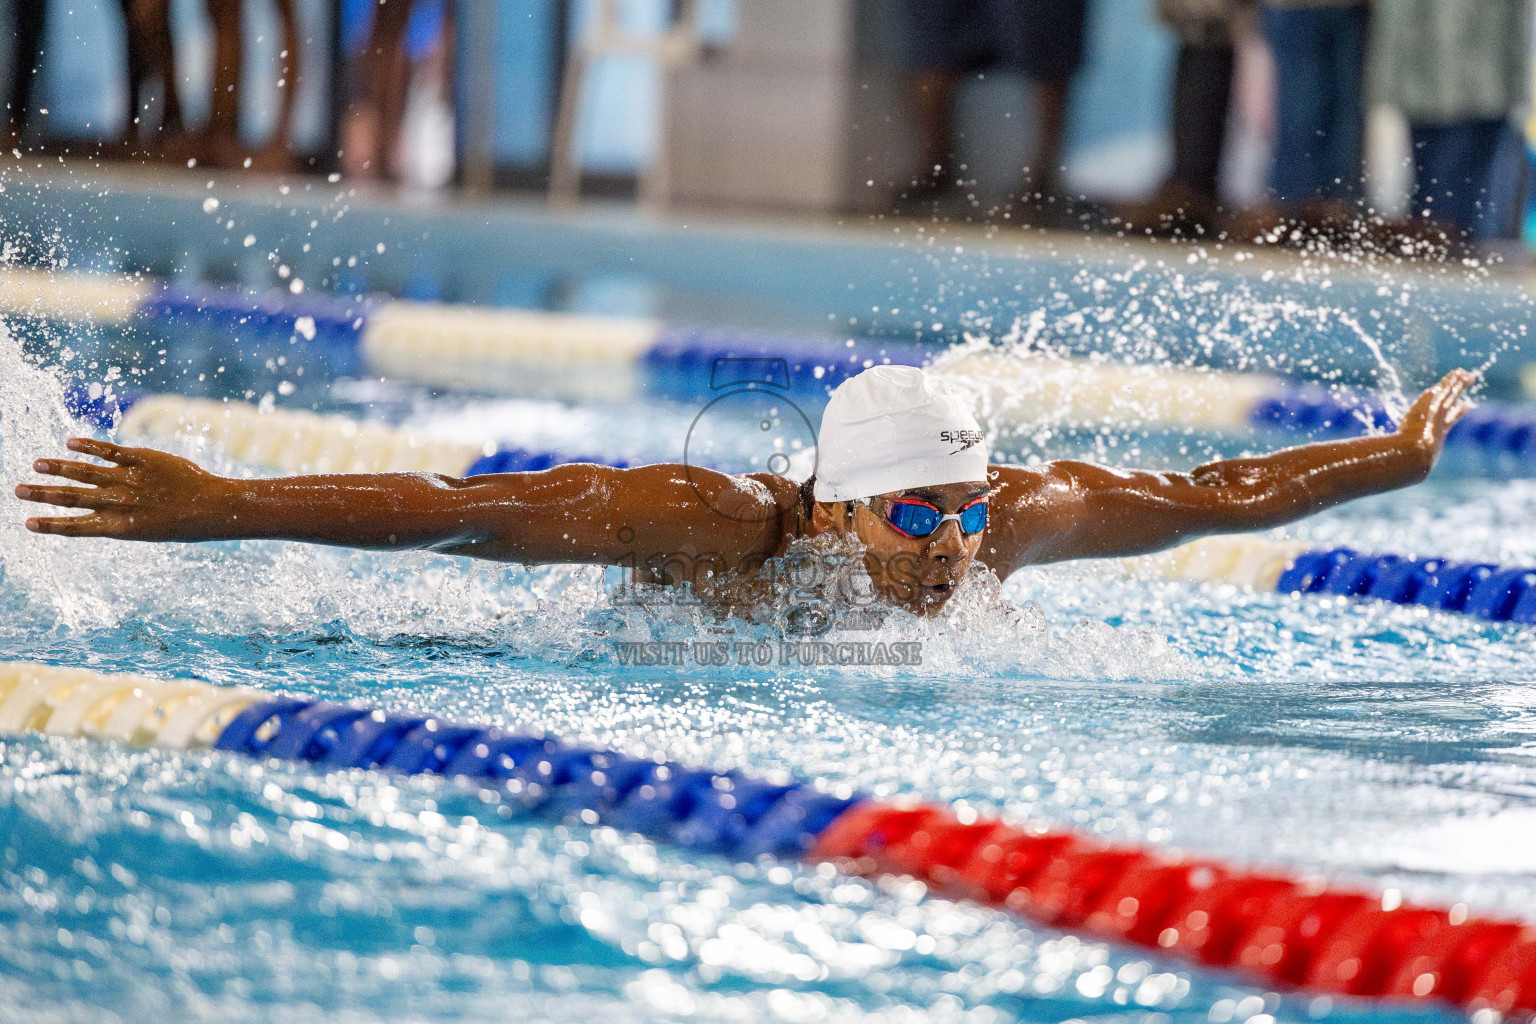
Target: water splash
[564, 615]
[818, 595]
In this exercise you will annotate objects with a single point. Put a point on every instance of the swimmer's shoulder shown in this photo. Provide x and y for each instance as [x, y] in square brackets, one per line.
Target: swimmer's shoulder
[777, 492]
[784, 504]
[1031, 506]
[1026, 485]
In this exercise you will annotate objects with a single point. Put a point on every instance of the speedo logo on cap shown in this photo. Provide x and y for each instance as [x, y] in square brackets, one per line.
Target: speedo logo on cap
[964, 438]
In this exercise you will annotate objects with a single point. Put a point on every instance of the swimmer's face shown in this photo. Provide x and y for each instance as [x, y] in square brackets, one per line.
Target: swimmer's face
[918, 573]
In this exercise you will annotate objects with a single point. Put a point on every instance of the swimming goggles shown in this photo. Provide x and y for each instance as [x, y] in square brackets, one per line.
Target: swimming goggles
[916, 518]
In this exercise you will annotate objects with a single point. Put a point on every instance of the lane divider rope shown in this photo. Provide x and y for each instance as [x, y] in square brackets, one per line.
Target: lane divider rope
[297, 441]
[1481, 589]
[1040, 390]
[1283, 929]
[614, 358]
[445, 344]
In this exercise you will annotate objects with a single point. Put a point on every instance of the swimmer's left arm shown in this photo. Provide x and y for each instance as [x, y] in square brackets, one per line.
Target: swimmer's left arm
[1077, 510]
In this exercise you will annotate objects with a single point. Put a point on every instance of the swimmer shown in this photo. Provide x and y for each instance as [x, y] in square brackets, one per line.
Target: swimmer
[902, 467]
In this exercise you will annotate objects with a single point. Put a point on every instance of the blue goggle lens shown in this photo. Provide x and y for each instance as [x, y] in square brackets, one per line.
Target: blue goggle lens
[917, 520]
[973, 519]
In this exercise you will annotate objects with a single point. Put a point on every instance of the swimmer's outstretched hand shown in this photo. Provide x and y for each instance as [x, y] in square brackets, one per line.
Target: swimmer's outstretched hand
[1436, 411]
[144, 495]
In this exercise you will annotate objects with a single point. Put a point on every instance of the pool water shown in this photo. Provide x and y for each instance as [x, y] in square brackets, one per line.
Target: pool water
[1355, 741]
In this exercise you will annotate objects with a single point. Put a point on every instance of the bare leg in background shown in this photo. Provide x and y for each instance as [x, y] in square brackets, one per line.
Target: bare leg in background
[1044, 180]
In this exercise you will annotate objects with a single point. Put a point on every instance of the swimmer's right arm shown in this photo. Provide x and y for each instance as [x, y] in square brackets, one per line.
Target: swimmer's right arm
[578, 513]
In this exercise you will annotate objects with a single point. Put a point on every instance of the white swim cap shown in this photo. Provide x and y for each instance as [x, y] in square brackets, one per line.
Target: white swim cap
[892, 428]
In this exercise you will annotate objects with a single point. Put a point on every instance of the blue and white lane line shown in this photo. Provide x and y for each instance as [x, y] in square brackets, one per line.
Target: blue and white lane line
[1031, 391]
[297, 441]
[721, 812]
[614, 358]
[478, 348]
[1335, 938]
[1481, 589]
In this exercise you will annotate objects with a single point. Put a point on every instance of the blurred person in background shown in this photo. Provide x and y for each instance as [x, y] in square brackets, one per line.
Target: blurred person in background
[220, 142]
[29, 23]
[397, 52]
[1319, 48]
[150, 55]
[1457, 69]
[151, 58]
[1207, 31]
[1040, 39]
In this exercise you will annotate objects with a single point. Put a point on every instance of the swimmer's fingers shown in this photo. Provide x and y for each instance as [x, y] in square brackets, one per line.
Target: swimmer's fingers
[1455, 384]
[106, 450]
[1450, 402]
[73, 497]
[1437, 399]
[84, 472]
[93, 525]
[1457, 411]
[1437, 408]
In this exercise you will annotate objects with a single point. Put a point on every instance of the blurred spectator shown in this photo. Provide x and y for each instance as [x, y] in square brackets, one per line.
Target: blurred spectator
[29, 21]
[1457, 69]
[1041, 39]
[151, 58]
[1207, 31]
[221, 143]
[1319, 49]
[404, 37]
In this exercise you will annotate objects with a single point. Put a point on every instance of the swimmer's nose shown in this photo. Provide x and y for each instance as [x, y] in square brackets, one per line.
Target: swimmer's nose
[947, 542]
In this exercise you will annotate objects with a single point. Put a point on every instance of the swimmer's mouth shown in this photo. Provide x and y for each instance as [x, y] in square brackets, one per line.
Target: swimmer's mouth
[936, 591]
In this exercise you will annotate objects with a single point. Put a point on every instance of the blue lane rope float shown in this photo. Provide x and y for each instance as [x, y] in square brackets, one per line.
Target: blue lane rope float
[1494, 440]
[1318, 412]
[1331, 939]
[1479, 589]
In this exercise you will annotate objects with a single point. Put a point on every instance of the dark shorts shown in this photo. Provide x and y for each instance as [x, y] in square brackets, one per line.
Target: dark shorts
[1042, 39]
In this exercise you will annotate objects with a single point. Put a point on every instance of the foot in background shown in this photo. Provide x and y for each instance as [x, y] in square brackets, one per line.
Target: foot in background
[403, 58]
[940, 195]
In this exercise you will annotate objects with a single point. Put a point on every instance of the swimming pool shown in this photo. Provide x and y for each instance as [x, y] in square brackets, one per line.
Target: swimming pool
[1354, 740]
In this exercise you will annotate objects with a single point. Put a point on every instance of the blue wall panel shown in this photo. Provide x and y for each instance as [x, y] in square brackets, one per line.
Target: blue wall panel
[526, 76]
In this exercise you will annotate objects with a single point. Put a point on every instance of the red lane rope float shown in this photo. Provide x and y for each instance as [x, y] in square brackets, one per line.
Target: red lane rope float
[1296, 933]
